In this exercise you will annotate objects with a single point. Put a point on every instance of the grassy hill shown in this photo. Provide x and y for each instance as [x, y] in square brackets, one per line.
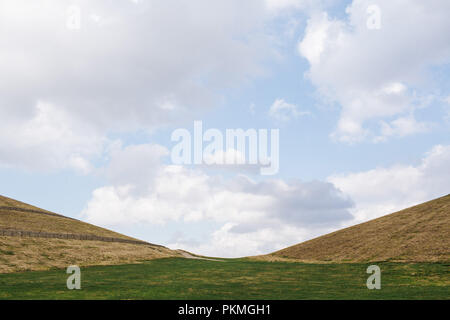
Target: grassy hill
[16, 215]
[35, 239]
[117, 270]
[177, 278]
[417, 234]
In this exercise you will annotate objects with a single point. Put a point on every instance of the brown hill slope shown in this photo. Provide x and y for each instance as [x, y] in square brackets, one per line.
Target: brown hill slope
[35, 239]
[16, 215]
[420, 233]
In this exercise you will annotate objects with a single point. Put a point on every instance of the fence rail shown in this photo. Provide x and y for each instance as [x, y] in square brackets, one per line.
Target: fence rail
[38, 234]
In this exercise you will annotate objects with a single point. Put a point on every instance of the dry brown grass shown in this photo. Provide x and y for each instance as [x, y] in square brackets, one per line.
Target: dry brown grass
[21, 254]
[15, 220]
[8, 202]
[416, 234]
[26, 254]
[30, 221]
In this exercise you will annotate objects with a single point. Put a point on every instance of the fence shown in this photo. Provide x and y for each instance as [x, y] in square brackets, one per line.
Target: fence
[36, 234]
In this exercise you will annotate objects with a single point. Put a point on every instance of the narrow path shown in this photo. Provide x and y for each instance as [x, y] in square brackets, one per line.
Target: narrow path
[187, 255]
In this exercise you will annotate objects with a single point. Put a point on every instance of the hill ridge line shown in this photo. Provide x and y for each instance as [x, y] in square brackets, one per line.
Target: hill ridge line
[418, 233]
[88, 237]
[6, 208]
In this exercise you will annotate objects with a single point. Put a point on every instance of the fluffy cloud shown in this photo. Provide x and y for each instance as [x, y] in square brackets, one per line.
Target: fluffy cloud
[134, 164]
[402, 127]
[283, 111]
[277, 5]
[374, 73]
[150, 57]
[49, 138]
[289, 6]
[106, 67]
[226, 243]
[384, 190]
[143, 191]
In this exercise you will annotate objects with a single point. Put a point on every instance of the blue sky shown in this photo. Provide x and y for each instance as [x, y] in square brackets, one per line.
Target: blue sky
[91, 94]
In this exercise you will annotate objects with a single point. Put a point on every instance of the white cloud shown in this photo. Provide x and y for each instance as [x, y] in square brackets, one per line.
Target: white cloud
[129, 66]
[226, 243]
[373, 74]
[135, 164]
[394, 88]
[230, 160]
[402, 127]
[283, 4]
[384, 190]
[228, 157]
[49, 138]
[144, 192]
[275, 6]
[80, 164]
[147, 65]
[282, 111]
[320, 33]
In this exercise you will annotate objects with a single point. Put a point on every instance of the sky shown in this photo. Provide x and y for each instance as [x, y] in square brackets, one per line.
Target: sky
[91, 93]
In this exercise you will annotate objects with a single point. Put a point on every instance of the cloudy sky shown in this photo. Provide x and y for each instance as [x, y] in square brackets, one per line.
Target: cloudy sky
[91, 91]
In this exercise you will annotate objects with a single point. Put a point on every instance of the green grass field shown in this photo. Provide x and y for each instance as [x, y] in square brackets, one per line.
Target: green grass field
[177, 278]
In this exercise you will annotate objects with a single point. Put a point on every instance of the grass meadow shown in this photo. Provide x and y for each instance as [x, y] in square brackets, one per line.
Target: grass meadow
[177, 278]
